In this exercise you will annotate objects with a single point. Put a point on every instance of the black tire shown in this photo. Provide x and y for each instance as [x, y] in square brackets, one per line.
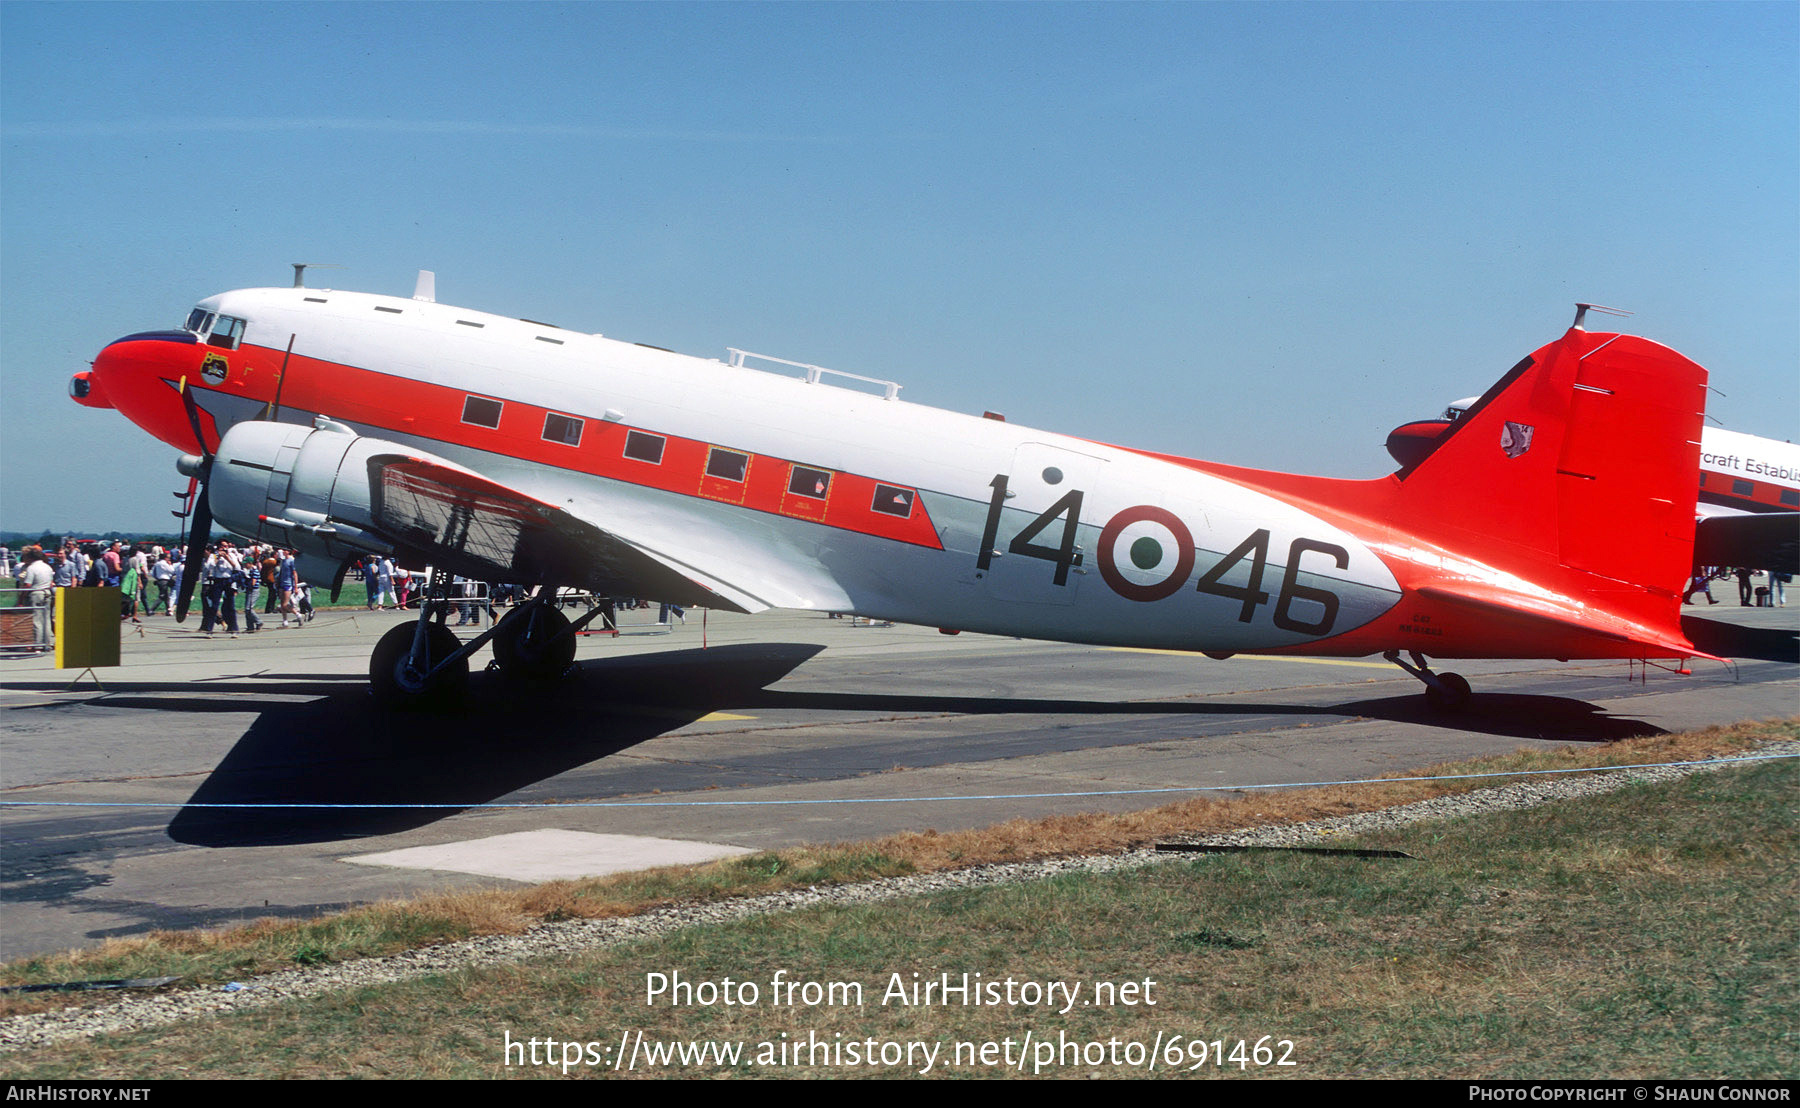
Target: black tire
[1453, 697]
[395, 685]
[534, 644]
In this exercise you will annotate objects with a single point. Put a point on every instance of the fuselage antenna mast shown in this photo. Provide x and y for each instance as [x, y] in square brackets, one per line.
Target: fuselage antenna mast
[300, 269]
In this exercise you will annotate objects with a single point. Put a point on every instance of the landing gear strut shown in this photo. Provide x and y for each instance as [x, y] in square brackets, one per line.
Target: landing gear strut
[423, 664]
[536, 640]
[1447, 692]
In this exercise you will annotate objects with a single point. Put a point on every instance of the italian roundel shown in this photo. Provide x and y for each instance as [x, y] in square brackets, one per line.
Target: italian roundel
[1146, 553]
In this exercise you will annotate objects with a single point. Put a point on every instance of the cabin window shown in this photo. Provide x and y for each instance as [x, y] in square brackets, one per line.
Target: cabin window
[563, 429]
[227, 332]
[481, 411]
[469, 323]
[1743, 488]
[644, 448]
[1790, 496]
[547, 338]
[813, 483]
[390, 311]
[727, 465]
[893, 501]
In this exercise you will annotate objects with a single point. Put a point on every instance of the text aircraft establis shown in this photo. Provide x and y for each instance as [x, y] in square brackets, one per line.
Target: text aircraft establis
[1554, 519]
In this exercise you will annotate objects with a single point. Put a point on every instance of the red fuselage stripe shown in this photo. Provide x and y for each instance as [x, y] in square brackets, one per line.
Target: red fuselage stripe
[432, 412]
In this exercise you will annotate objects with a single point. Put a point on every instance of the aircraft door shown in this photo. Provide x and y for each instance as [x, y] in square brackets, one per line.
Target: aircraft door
[1032, 550]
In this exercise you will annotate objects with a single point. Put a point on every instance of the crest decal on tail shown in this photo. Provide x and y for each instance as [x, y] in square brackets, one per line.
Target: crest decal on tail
[1515, 439]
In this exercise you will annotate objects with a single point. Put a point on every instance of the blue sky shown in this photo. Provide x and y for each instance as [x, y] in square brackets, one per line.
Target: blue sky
[1258, 233]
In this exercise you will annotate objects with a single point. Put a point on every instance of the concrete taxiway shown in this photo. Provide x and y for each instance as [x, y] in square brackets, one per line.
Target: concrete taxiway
[211, 781]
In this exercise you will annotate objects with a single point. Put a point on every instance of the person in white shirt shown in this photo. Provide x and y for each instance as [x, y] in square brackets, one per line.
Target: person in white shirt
[384, 585]
[35, 578]
[163, 573]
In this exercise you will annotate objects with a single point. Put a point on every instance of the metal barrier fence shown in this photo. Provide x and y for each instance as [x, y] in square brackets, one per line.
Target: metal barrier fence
[24, 628]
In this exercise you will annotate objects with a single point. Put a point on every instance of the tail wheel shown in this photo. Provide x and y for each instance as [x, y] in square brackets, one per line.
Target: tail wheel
[536, 643]
[397, 683]
[1452, 696]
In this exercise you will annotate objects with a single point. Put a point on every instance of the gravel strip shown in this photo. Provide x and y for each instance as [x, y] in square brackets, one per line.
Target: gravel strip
[136, 1012]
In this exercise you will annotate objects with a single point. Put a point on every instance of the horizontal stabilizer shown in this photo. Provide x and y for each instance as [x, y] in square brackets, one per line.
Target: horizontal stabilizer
[1588, 632]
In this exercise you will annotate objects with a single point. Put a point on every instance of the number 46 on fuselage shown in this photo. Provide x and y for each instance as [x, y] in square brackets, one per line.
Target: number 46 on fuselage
[1555, 519]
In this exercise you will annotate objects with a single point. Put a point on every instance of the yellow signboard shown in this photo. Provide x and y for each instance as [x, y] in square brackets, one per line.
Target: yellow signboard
[87, 628]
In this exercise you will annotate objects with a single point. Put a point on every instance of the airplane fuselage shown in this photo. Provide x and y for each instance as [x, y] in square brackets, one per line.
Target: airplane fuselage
[898, 503]
[775, 491]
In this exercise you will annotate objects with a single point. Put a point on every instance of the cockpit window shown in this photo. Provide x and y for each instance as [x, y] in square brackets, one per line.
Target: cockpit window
[227, 332]
[199, 321]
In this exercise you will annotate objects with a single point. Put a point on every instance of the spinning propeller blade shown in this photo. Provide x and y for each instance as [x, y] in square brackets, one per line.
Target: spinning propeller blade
[200, 523]
[196, 553]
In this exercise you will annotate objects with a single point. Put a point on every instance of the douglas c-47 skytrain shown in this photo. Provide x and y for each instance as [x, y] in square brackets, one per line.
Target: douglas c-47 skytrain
[1554, 519]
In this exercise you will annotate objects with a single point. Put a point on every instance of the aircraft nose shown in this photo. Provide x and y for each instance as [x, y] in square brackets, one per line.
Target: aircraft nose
[138, 375]
[86, 391]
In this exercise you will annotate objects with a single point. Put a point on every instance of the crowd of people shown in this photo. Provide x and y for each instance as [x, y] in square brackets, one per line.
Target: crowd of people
[228, 573]
[238, 585]
[390, 585]
[148, 577]
[1772, 593]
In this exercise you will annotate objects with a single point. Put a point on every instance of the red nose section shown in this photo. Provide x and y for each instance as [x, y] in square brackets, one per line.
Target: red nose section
[139, 375]
[84, 390]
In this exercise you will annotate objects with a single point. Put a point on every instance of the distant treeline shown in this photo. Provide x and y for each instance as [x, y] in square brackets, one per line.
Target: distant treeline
[16, 540]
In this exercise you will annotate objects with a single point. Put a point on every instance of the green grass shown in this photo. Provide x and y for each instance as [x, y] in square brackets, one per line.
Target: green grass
[1646, 933]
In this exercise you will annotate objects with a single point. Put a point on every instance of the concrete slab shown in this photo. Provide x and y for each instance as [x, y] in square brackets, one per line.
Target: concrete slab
[551, 855]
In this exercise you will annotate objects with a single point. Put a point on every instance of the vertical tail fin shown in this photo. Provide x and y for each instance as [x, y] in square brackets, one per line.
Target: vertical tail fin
[1582, 462]
[1555, 519]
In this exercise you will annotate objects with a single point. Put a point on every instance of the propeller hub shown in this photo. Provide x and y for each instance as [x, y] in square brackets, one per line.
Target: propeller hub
[191, 465]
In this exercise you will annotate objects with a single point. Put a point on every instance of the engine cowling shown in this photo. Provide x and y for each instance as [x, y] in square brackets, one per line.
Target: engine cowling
[308, 489]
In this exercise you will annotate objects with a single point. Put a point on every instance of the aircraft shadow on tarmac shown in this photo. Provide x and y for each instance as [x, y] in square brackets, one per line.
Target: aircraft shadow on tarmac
[1512, 715]
[504, 737]
[507, 737]
[1730, 640]
[1506, 715]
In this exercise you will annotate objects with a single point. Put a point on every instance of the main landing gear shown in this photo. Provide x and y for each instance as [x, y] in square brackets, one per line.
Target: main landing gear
[1447, 692]
[539, 643]
[418, 665]
[424, 665]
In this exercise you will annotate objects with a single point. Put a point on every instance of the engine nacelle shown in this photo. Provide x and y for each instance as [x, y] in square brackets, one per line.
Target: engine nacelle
[310, 489]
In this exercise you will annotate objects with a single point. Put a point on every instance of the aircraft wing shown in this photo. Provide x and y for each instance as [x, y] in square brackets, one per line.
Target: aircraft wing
[351, 494]
[458, 519]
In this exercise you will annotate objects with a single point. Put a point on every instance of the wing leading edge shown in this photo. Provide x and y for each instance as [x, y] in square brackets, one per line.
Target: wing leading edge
[333, 495]
[477, 527]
